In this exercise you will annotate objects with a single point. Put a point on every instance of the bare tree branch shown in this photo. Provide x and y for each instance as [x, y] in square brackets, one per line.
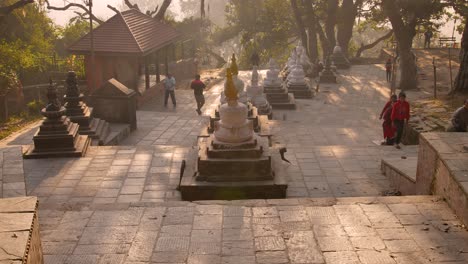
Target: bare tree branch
[5, 10]
[162, 10]
[132, 6]
[373, 44]
[113, 9]
[151, 13]
[71, 5]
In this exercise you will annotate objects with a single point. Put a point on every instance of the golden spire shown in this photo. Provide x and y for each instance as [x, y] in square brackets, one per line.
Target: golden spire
[230, 90]
[234, 69]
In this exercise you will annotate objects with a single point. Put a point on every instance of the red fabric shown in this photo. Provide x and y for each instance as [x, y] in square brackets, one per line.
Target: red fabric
[401, 110]
[388, 128]
[387, 105]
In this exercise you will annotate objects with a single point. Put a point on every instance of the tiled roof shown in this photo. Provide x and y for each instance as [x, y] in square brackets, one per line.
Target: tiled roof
[129, 32]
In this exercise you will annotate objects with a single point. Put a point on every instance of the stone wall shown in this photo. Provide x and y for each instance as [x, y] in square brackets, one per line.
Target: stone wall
[443, 169]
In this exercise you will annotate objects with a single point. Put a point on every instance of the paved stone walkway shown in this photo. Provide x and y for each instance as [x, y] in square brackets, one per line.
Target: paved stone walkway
[119, 204]
[385, 230]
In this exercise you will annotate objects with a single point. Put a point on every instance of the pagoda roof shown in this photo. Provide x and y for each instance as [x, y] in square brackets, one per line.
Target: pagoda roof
[128, 33]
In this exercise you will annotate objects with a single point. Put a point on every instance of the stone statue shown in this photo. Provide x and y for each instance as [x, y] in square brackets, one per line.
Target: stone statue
[53, 103]
[72, 85]
[238, 84]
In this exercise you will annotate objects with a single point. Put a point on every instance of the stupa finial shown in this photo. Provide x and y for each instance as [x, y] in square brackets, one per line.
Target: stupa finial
[230, 92]
[234, 68]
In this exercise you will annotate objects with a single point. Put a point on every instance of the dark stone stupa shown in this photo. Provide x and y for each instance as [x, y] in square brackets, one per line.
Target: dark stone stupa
[57, 136]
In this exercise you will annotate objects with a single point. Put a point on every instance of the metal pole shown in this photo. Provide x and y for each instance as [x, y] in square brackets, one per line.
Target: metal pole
[450, 69]
[435, 77]
[91, 34]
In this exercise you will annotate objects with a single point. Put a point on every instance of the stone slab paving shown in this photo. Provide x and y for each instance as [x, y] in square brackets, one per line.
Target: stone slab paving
[329, 142]
[403, 230]
[12, 181]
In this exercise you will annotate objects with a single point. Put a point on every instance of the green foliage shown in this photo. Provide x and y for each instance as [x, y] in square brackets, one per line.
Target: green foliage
[265, 26]
[34, 107]
[74, 30]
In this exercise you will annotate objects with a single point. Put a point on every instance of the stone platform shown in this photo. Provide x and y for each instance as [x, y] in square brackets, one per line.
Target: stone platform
[401, 173]
[252, 171]
[280, 99]
[20, 241]
[300, 91]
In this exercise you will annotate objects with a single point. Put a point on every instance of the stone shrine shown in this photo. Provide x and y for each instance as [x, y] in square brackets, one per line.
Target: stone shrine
[78, 112]
[234, 162]
[327, 75]
[296, 83]
[57, 136]
[339, 59]
[239, 86]
[276, 93]
[256, 95]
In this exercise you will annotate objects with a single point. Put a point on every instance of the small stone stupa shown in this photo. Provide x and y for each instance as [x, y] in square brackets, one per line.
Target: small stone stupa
[327, 75]
[57, 136]
[234, 162]
[339, 59]
[256, 95]
[276, 93]
[80, 113]
[242, 98]
[296, 81]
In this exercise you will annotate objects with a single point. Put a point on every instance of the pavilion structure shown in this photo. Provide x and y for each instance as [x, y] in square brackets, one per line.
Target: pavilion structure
[124, 47]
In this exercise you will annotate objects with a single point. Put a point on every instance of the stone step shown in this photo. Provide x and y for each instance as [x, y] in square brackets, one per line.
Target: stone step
[289, 103]
[101, 130]
[118, 132]
[401, 172]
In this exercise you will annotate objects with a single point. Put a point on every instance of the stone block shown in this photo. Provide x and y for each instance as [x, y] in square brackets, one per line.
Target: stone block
[19, 231]
[115, 103]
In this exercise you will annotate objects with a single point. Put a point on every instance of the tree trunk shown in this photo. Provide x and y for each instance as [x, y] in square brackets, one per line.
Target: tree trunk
[461, 81]
[162, 10]
[323, 41]
[408, 71]
[347, 14]
[404, 34]
[330, 22]
[299, 22]
[312, 49]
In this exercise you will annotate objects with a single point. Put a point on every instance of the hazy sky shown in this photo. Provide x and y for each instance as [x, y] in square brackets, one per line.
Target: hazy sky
[99, 9]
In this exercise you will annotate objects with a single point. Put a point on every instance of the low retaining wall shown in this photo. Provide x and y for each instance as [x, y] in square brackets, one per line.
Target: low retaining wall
[443, 169]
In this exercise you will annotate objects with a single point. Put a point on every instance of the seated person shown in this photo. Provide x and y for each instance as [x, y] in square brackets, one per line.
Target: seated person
[459, 120]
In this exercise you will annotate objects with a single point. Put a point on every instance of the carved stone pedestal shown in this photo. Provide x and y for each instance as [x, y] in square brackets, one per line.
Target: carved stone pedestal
[252, 115]
[338, 58]
[250, 170]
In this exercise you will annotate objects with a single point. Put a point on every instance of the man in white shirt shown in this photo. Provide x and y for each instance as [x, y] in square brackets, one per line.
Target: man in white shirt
[169, 89]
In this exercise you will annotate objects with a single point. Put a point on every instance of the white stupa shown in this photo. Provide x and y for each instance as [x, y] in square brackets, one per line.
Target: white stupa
[256, 95]
[234, 126]
[272, 79]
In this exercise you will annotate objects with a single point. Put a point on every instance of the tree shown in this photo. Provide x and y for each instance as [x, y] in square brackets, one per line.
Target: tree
[461, 81]
[405, 15]
[306, 26]
[6, 7]
[347, 18]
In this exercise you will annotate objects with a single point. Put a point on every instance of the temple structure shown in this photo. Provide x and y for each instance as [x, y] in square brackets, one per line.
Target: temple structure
[234, 162]
[277, 95]
[257, 97]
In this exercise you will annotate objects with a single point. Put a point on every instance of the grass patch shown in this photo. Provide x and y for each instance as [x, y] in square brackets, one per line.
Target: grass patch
[15, 123]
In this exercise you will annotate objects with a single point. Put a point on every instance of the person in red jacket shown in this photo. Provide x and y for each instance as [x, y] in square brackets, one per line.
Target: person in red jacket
[388, 128]
[400, 116]
[198, 86]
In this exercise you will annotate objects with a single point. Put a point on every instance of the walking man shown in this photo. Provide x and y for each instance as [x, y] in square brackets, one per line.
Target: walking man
[400, 116]
[460, 119]
[169, 89]
[388, 69]
[197, 86]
